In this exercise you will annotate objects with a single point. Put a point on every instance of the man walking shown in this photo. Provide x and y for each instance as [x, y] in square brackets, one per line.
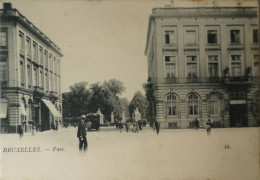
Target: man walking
[83, 144]
[208, 126]
[157, 126]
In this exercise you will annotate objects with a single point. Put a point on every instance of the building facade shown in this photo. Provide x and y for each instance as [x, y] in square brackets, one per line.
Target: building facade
[30, 75]
[203, 62]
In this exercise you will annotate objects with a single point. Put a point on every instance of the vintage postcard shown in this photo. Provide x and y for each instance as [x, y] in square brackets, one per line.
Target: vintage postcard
[129, 89]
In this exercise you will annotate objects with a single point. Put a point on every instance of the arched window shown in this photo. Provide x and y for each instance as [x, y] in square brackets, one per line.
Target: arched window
[3, 108]
[171, 105]
[214, 104]
[193, 104]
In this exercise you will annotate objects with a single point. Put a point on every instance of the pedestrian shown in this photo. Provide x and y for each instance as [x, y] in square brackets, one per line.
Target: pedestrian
[126, 126]
[82, 134]
[116, 122]
[135, 127]
[140, 124]
[208, 126]
[120, 125]
[57, 124]
[196, 122]
[20, 131]
[157, 126]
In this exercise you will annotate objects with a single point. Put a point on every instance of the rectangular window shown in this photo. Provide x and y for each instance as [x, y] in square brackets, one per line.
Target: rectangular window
[212, 37]
[35, 76]
[41, 55]
[40, 79]
[50, 82]
[169, 37]
[55, 66]
[214, 107]
[3, 72]
[46, 59]
[50, 62]
[58, 64]
[29, 76]
[236, 68]
[22, 73]
[191, 66]
[234, 36]
[172, 125]
[255, 36]
[46, 82]
[35, 50]
[21, 41]
[28, 46]
[213, 65]
[170, 66]
[3, 38]
[190, 37]
[193, 107]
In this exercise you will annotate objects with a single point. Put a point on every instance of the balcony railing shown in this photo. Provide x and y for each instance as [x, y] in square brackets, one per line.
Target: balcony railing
[37, 88]
[192, 80]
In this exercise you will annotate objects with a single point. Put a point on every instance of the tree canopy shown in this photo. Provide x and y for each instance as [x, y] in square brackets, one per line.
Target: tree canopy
[140, 102]
[81, 100]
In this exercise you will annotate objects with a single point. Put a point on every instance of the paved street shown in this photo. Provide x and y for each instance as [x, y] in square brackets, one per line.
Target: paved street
[173, 154]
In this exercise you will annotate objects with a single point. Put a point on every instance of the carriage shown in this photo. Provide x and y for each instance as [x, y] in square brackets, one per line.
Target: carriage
[93, 121]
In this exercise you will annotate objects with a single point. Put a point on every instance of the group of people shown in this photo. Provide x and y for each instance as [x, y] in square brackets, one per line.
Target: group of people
[137, 125]
[207, 126]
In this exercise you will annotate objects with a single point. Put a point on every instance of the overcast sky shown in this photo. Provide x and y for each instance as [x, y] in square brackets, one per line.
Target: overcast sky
[100, 40]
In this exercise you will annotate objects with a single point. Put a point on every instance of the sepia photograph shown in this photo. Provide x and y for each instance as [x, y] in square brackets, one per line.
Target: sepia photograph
[129, 90]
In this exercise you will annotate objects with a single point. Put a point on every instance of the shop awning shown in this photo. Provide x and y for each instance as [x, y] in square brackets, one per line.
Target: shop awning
[51, 107]
[3, 110]
[23, 111]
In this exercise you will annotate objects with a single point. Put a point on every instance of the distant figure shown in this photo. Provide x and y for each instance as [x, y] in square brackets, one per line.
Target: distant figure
[120, 125]
[135, 127]
[126, 126]
[196, 123]
[83, 144]
[116, 122]
[208, 127]
[57, 125]
[140, 124]
[157, 126]
[52, 125]
[20, 131]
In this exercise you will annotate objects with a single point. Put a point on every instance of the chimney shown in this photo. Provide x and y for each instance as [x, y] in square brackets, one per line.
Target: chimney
[7, 7]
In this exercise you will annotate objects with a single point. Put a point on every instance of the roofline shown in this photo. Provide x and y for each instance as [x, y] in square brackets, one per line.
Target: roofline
[154, 15]
[36, 31]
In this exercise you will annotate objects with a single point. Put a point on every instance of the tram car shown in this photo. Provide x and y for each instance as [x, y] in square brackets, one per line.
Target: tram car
[93, 121]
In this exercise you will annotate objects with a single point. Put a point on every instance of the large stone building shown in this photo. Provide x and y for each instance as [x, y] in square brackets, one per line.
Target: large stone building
[203, 63]
[30, 75]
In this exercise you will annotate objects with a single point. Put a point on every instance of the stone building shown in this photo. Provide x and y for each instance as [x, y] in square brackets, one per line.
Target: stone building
[203, 62]
[30, 75]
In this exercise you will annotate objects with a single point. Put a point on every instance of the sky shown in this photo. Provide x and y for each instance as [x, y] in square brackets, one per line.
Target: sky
[100, 39]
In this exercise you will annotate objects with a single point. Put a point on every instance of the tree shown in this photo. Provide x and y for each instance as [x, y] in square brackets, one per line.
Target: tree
[106, 98]
[149, 93]
[75, 102]
[115, 86]
[140, 102]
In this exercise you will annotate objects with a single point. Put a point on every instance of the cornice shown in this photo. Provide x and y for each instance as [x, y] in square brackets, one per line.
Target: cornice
[206, 12]
[205, 15]
[16, 17]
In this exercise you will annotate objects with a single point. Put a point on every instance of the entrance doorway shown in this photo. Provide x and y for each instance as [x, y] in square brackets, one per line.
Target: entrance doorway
[238, 115]
[45, 118]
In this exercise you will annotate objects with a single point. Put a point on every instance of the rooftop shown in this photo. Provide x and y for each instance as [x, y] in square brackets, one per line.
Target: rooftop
[8, 11]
